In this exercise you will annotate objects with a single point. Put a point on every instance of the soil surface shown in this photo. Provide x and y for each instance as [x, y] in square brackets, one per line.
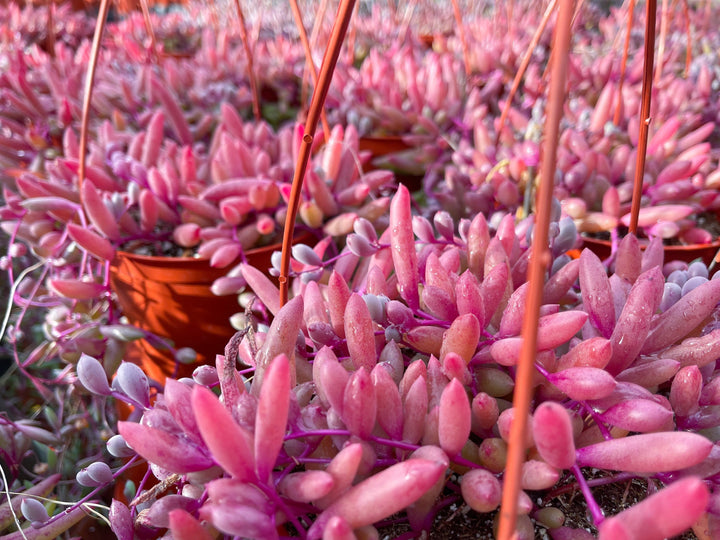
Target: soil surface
[459, 522]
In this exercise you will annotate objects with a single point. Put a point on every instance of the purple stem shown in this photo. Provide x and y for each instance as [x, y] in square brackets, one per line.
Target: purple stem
[595, 510]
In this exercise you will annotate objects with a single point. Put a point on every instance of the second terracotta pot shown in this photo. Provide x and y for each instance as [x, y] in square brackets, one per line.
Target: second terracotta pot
[171, 298]
[688, 253]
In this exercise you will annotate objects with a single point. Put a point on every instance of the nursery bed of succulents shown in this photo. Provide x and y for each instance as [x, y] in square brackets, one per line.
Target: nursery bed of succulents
[369, 378]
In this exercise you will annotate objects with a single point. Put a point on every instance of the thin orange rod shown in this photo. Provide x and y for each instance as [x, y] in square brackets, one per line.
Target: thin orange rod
[644, 114]
[50, 42]
[87, 97]
[352, 36]
[462, 36]
[309, 64]
[317, 25]
[548, 66]
[249, 54]
[148, 26]
[688, 50]
[393, 9]
[342, 20]
[539, 262]
[623, 64]
[523, 66]
[664, 19]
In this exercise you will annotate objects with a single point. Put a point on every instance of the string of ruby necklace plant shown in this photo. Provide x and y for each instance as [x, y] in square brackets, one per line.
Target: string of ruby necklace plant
[92, 68]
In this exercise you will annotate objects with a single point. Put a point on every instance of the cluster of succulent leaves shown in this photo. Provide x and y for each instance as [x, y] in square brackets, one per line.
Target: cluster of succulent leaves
[386, 384]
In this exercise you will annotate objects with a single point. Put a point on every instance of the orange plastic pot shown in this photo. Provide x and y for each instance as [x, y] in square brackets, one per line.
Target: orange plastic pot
[392, 144]
[171, 298]
[690, 252]
[382, 146]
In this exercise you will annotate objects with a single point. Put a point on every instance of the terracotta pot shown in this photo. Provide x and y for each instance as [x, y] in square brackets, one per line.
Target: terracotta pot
[382, 146]
[392, 144]
[171, 298]
[706, 252]
[427, 40]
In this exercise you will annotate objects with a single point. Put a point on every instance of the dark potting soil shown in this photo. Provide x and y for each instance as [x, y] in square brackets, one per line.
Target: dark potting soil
[459, 522]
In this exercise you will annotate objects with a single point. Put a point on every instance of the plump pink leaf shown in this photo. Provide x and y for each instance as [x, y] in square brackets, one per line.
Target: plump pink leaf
[33, 510]
[338, 529]
[685, 391]
[94, 244]
[594, 352]
[240, 520]
[596, 293]
[172, 107]
[359, 410]
[415, 407]
[261, 285]
[538, 475]
[438, 302]
[481, 490]
[462, 337]
[478, 239]
[454, 418]
[272, 415]
[660, 516]
[552, 431]
[99, 214]
[343, 468]
[511, 321]
[506, 352]
[649, 374]
[647, 453]
[121, 521]
[427, 339]
[157, 514]
[583, 383]
[306, 486]
[381, 495]
[92, 375]
[229, 444]
[493, 289]
[683, 316]
[557, 328]
[651, 214]
[164, 449]
[633, 324]
[225, 255]
[469, 298]
[697, 351]
[149, 210]
[638, 415]
[330, 378]
[153, 139]
[485, 411]
[132, 381]
[389, 404]
[454, 367]
[178, 401]
[628, 261]
[560, 282]
[78, 290]
[360, 333]
[281, 338]
[338, 295]
[183, 526]
[402, 242]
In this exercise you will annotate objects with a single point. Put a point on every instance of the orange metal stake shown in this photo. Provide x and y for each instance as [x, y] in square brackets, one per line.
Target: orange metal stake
[539, 262]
